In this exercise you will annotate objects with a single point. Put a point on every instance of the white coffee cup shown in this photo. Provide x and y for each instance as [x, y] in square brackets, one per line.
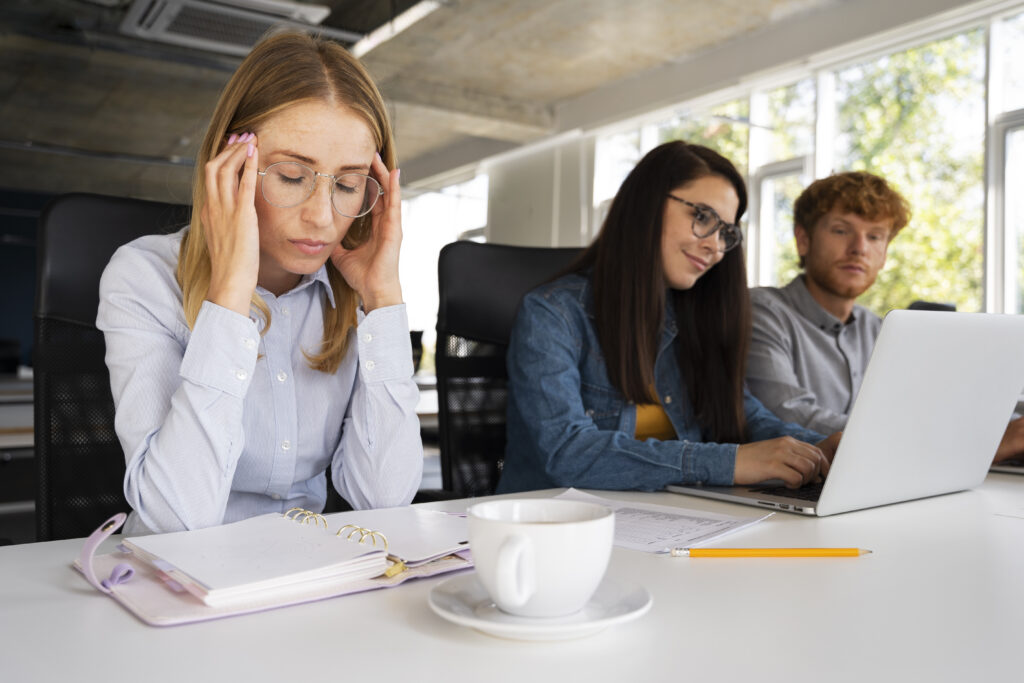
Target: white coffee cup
[540, 557]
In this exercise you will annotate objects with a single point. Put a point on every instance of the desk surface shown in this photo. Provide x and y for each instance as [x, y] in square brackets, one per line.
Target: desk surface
[941, 599]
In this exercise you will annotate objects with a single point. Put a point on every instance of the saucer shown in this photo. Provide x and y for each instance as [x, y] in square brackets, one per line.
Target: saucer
[464, 601]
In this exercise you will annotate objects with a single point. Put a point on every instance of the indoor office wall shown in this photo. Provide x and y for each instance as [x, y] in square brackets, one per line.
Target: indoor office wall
[542, 197]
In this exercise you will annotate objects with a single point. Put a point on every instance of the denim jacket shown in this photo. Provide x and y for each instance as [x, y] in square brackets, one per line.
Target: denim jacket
[569, 426]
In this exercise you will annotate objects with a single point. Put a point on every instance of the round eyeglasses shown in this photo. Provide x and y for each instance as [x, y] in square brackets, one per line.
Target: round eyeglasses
[706, 223]
[289, 183]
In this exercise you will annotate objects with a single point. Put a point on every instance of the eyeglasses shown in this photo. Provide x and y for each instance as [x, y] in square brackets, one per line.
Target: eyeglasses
[706, 223]
[289, 183]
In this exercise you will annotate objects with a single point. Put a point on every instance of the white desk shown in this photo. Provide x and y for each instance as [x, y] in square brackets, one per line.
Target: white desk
[942, 599]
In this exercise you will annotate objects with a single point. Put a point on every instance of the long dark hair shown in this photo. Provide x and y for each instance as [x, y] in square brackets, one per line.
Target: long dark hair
[713, 316]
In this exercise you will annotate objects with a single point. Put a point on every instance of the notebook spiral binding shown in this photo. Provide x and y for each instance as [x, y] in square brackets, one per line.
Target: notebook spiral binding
[363, 534]
[303, 516]
[358, 533]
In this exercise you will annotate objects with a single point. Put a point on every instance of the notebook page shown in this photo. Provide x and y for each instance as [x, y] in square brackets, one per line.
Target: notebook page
[266, 550]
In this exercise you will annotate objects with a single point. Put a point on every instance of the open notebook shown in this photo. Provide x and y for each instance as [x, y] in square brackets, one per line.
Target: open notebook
[273, 560]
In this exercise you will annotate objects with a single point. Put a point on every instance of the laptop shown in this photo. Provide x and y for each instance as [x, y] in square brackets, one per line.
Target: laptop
[1011, 466]
[937, 394]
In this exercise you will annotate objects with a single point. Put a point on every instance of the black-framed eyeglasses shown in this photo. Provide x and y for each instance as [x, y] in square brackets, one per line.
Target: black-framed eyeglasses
[706, 222]
[289, 183]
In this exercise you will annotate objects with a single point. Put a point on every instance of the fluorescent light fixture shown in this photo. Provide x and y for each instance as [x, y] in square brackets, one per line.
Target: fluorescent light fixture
[387, 31]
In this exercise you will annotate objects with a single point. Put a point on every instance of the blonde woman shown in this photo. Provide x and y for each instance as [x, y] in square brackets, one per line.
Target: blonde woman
[268, 339]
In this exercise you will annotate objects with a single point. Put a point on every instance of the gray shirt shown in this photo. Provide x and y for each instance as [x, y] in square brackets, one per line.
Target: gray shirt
[805, 364]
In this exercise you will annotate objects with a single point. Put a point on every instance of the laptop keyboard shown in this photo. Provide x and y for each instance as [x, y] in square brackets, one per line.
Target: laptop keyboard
[809, 492]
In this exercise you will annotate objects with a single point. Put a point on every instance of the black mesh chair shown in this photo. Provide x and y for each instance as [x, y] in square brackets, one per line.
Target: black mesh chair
[79, 462]
[920, 305]
[480, 287]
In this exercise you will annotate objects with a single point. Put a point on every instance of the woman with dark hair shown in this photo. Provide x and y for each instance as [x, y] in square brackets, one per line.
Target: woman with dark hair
[627, 372]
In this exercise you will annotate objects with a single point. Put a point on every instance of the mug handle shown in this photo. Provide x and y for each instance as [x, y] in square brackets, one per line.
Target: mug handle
[515, 578]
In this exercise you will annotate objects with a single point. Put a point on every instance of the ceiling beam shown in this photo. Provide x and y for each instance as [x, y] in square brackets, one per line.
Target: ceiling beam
[475, 113]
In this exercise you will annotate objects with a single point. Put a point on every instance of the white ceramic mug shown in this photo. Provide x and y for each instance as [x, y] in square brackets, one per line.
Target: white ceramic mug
[540, 557]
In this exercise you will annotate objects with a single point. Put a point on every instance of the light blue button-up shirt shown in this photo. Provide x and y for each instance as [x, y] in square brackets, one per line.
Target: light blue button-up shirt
[219, 423]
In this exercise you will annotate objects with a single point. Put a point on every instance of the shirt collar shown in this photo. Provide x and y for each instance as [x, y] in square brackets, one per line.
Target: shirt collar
[800, 298]
[310, 280]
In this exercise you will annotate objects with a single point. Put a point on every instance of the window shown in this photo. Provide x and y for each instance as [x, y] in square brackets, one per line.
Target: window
[914, 114]
[1007, 58]
[722, 128]
[917, 118]
[430, 221]
[781, 152]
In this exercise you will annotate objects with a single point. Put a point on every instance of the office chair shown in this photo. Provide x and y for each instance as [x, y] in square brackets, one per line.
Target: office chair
[479, 290]
[79, 462]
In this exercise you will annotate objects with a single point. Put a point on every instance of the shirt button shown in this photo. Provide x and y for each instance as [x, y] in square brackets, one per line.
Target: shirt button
[367, 337]
[282, 376]
[668, 399]
[241, 375]
[286, 311]
[285, 445]
[369, 365]
[249, 343]
[590, 412]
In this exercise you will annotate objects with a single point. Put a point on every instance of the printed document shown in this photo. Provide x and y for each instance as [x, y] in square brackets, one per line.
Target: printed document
[660, 528]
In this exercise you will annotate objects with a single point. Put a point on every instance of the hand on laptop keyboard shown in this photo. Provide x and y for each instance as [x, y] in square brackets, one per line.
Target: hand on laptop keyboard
[794, 462]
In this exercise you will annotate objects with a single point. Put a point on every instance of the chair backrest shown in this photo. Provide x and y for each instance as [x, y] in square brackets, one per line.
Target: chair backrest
[920, 305]
[79, 462]
[479, 289]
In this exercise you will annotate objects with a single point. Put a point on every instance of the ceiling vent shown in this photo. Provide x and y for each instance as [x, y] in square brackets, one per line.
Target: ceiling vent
[226, 26]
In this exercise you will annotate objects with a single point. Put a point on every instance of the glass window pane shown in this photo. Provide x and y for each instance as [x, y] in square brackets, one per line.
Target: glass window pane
[430, 221]
[614, 157]
[917, 118]
[725, 129]
[1014, 210]
[782, 123]
[1008, 62]
[778, 248]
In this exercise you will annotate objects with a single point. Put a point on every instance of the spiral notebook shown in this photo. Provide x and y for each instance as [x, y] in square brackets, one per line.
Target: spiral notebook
[273, 560]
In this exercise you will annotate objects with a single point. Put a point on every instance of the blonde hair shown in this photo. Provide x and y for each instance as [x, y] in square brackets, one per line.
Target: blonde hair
[282, 70]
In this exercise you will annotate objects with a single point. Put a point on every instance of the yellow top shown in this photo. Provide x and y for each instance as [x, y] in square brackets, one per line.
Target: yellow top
[652, 423]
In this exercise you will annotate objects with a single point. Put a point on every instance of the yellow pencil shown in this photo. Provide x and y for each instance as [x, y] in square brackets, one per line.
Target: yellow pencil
[768, 552]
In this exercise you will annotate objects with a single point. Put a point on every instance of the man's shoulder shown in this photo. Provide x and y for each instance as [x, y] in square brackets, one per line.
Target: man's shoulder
[868, 320]
[771, 303]
[768, 296]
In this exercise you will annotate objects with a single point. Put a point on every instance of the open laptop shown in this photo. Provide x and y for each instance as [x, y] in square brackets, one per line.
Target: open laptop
[1011, 466]
[937, 395]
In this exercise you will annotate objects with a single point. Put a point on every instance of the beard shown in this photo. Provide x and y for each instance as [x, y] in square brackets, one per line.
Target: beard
[831, 281]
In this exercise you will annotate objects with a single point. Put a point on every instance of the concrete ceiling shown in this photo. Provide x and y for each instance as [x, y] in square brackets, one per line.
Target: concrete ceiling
[85, 108]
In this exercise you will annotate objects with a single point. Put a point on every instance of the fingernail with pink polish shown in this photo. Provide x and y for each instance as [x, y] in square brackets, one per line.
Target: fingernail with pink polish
[249, 150]
[232, 139]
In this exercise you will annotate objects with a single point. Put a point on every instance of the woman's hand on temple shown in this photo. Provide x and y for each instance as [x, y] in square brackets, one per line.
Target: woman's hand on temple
[230, 224]
[372, 268]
